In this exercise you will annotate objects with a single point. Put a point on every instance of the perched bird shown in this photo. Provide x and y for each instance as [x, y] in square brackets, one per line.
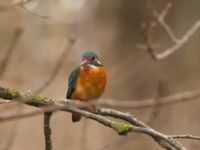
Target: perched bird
[87, 82]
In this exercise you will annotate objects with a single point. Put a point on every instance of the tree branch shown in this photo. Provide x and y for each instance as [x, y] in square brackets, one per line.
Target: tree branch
[139, 104]
[179, 44]
[148, 103]
[47, 131]
[131, 124]
[160, 19]
[186, 136]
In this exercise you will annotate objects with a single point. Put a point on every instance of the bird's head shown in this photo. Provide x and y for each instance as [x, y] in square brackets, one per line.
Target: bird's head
[90, 57]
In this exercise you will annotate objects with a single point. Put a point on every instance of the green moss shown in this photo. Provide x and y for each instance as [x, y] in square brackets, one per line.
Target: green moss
[121, 128]
[14, 93]
[38, 98]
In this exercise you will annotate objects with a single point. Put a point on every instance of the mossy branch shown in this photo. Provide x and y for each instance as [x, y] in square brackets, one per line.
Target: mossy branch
[121, 128]
[130, 124]
[33, 100]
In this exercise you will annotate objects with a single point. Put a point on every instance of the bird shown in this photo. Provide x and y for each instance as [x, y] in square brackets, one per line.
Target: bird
[87, 82]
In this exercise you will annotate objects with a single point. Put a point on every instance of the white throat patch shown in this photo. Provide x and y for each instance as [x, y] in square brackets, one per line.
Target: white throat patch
[92, 66]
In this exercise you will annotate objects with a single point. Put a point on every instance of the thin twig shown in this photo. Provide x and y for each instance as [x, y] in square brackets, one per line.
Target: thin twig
[143, 128]
[140, 104]
[160, 19]
[132, 125]
[148, 103]
[133, 104]
[47, 131]
[107, 112]
[186, 136]
[180, 43]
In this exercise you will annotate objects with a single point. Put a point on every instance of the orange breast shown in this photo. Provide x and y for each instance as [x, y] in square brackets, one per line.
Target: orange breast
[90, 83]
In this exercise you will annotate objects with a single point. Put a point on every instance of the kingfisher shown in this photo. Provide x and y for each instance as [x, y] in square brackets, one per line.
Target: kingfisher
[87, 81]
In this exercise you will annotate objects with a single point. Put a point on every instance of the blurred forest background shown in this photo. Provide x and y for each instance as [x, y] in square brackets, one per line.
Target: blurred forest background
[114, 29]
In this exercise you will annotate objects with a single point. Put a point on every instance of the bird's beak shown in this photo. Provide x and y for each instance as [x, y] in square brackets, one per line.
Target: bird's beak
[83, 62]
[98, 62]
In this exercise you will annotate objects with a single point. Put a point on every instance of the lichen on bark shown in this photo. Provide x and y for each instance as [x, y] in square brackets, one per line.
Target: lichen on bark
[121, 128]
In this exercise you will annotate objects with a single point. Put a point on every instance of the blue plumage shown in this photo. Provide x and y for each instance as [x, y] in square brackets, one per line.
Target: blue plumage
[72, 82]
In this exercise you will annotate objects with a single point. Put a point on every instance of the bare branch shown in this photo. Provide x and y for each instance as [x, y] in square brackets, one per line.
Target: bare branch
[161, 139]
[132, 125]
[160, 19]
[47, 116]
[138, 104]
[47, 131]
[180, 43]
[186, 136]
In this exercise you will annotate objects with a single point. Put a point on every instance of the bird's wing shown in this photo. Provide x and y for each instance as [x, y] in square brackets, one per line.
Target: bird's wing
[72, 82]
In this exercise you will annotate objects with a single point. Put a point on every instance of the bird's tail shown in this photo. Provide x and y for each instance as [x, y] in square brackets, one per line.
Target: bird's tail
[76, 117]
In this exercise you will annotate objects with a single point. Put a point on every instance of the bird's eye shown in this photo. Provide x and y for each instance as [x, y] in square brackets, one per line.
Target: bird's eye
[93, 58]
